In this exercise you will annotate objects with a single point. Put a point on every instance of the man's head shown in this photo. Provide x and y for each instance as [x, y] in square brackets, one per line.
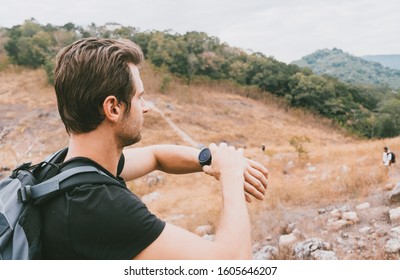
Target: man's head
[385, 149]
[88, 71]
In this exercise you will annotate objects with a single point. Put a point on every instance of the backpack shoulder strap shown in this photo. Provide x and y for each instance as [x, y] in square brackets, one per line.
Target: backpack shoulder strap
[65, 181]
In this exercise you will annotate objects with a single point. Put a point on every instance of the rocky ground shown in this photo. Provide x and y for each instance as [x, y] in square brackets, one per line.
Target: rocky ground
[342, 231]
[351, 230]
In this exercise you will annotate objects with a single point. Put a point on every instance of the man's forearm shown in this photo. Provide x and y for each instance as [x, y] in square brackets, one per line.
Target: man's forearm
[234, 225]
[176, 159]
[168, 158]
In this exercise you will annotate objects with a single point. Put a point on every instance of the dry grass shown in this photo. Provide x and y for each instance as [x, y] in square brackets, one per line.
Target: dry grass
[337, 168]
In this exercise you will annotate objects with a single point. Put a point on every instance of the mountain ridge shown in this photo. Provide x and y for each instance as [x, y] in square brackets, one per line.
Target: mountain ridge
[388, 60]
[349, 68]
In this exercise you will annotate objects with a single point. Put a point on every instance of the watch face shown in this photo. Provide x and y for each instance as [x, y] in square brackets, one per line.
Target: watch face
[205, 156]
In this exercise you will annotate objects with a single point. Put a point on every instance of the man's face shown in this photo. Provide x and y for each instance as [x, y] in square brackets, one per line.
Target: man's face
[132, 122]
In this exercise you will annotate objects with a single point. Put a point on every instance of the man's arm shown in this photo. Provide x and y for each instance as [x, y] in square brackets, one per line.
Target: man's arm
[168, 158]
[232, 237]
[181, 160]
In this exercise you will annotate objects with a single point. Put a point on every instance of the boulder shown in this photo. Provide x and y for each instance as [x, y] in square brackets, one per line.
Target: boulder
[267, 252]
[351, 217]
[151, 197]
[307, 250]
[394, 195]
[204, 229]
[154, 179]
[363, 206]
[366, 230]
[394, 215]
[335, 214]
[336, 225]
[286, 243]
[392, 246]
[323, 255]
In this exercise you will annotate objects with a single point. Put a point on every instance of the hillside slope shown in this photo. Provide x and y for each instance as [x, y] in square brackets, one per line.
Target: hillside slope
[349, 68]
[310, 192]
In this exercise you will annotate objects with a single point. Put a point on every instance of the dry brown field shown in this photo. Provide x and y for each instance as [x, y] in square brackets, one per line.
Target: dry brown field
[333, 169]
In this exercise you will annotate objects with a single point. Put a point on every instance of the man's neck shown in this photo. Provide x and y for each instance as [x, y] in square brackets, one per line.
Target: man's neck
[97, 147]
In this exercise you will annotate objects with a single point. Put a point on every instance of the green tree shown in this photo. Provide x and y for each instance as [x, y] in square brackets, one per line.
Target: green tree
[28, 44]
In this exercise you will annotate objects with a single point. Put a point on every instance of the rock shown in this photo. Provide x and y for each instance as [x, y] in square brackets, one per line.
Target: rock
[365, 230]
[174, 218]
[288, 228]
[363, 206]
[361, 245]
[267, 252]
[381, 231]
[286, 243]
[325, 176]
[335, 214]
[351, 217]
[202, 230]
[311, 168]
[396, 231]
[394, 215]
[154, 179]
[392, 246]
[345, 235]
[345, 208]
[340, 241]
[336, 225]
[288, 167]
[287, 240]
[323, 255]
[394, 195]
[209, 237]
[388, 187]
[326, 209]
[151, 197]
[305, 249]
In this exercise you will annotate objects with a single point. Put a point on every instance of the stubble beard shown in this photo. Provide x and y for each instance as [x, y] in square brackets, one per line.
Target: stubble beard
[131, 134]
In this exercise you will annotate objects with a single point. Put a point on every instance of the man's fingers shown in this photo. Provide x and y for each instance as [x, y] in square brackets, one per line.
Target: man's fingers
[256, 179]
[251, 190]
[258, 166]
[247, 197]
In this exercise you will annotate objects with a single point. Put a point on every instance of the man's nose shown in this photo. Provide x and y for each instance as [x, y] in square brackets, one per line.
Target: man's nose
[145, 106]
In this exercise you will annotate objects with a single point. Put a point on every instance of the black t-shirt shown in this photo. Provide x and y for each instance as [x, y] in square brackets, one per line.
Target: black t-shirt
[97, 221]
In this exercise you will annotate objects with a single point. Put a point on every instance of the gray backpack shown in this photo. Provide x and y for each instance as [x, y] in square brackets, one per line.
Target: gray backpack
[21, 195]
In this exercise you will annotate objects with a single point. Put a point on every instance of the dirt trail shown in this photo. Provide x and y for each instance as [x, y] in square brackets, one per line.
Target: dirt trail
[184, 136]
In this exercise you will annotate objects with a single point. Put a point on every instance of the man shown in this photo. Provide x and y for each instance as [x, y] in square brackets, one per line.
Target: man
[100, 101]
[386, 157]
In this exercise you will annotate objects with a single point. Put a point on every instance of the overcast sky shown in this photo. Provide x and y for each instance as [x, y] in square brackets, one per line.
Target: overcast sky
[284, 29]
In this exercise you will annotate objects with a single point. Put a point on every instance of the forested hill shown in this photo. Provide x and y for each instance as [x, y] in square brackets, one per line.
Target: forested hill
[349, 68]
[368, 111]
[387, 60]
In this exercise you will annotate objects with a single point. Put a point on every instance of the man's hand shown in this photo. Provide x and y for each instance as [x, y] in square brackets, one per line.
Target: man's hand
[256, 180]
[255, 174]
[226, 161]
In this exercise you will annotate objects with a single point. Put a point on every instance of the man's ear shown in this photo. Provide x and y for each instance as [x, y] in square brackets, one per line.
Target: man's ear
[112, 108]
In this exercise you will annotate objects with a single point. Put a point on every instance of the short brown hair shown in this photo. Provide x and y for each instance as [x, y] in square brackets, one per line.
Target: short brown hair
[86, 72]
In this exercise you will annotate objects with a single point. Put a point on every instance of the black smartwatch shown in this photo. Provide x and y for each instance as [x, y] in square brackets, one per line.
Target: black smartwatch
[205, 157]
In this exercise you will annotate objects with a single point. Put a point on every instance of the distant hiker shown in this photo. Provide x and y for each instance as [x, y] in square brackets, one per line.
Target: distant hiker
[100, 100]
[263, 147]
[388, 157]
